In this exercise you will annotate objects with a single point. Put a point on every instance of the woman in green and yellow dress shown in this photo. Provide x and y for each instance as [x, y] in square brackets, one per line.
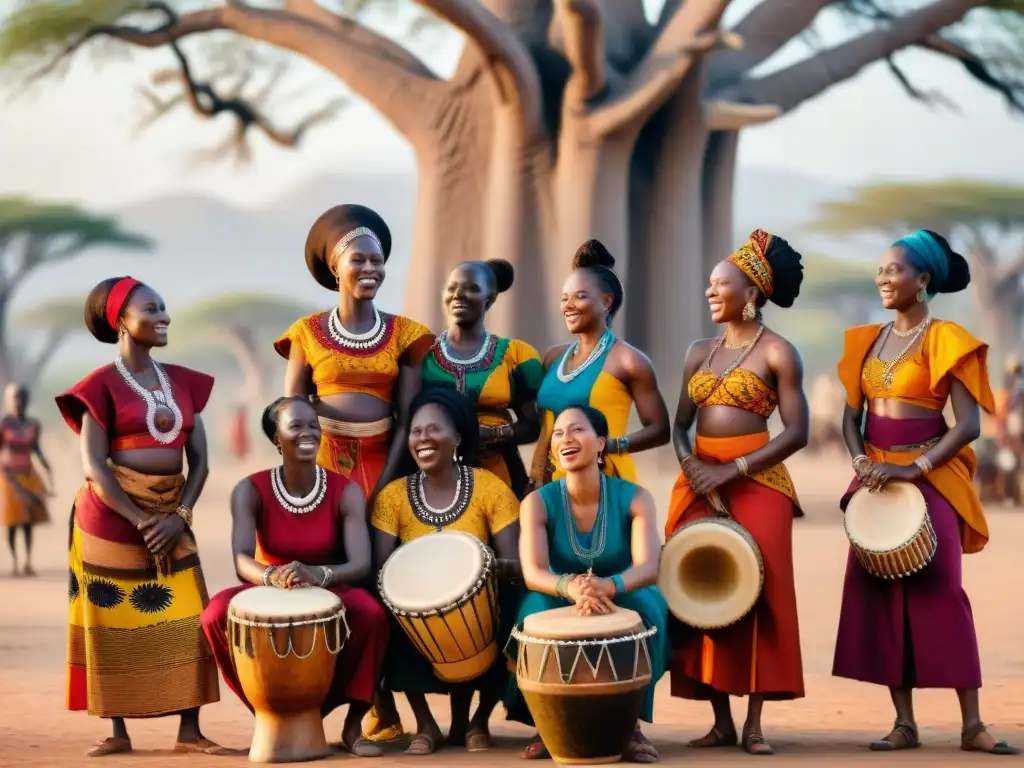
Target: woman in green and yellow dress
[450, 495]
[501, 376]
[598, 370]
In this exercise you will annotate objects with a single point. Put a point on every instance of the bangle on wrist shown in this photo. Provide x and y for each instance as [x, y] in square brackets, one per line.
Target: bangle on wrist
[620, 585]
[924, 464]
[266, 575]
[185, 513]
[327, 575]
[741, 465]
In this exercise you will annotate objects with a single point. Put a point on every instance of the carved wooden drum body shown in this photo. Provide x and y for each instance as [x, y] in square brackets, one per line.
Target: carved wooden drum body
[284, 644]
[584, 680]
[442, 590]
[890, 531]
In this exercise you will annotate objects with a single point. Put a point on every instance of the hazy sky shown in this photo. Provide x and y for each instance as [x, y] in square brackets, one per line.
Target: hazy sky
[74, 140]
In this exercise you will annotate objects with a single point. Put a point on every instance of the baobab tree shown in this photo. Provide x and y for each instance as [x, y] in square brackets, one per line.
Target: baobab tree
[36, 235]
[564, 119]
[984, 219]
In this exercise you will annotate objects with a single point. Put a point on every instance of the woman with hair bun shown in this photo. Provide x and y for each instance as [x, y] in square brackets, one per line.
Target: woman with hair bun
[298, 525]
[731, 386]
[501, 376]
[598, 370]
[918, 631]
[136, 587]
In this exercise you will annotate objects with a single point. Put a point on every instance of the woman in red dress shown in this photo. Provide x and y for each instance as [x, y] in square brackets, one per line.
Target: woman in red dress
[135, 584]
[299, 525]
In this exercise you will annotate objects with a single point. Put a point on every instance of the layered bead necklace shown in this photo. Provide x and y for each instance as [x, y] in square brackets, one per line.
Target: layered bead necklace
[345, 338]
[598, 534]
[161, 398]
[606, 340]
[458, 367]
[299, 506]
[439, 518]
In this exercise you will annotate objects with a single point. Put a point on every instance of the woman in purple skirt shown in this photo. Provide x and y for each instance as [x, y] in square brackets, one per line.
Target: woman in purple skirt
[918, 631]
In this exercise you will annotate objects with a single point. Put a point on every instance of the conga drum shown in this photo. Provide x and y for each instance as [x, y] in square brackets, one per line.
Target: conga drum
[284, 644]
[711, 571]
[584, 680]
[890, 531]
[442, 590]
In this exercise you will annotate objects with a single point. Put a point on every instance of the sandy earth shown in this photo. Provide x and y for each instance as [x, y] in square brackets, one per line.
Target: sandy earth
[834, 722]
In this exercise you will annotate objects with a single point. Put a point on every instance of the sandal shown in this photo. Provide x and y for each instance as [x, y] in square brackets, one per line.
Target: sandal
[422, 744]
[970, 734]
[362, 747]
[714, 738]
[902, 736]
[535, 750]
[206, 747]
[112, 745]
[640, 749]
[478, 741]
[755, 744]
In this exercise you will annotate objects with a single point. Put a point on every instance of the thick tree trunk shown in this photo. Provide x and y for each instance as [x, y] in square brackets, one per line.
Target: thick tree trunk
[719, 181]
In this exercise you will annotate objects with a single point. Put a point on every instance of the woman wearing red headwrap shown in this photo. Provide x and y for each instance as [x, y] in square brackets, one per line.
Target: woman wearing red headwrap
[136, 588]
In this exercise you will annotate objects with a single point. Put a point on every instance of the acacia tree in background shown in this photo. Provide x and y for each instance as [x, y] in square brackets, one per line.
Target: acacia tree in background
[565, 119]
[48, 325]
[985, 220]
[35, 235]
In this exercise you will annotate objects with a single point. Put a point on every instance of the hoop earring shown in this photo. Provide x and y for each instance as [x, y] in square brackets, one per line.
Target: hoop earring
[922, 295]
[749, 311]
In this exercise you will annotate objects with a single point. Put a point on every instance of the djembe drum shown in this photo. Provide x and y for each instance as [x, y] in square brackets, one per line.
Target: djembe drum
[442, 590]
[284, 644]
[584, 680]
[711, 571]
[890, 531]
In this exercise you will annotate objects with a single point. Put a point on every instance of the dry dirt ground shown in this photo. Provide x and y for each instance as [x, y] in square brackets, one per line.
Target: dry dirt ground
[833, 723]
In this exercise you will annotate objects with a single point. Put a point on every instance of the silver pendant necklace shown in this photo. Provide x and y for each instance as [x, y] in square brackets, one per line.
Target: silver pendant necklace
[164, 397]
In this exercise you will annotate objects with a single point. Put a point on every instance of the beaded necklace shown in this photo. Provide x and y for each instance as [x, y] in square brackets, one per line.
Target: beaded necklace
[295, 505]
[345, 338]
[439, 518]
[164, 397]
[606, 340]
[598, 532]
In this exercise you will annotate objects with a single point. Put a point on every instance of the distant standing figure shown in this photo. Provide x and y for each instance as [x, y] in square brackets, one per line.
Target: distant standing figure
[23, 493]
[239, 435]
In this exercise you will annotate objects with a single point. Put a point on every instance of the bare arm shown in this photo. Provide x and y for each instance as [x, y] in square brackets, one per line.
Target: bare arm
[95, 448]
[650, 405]
[298, 378]
[37, 448]
[383, 545]
[245, 507]
[506, 547]
[526, 430]
[352, 510]
[533, 546]
[198, 464]
[966, 430]
[645, 545]
[853, 436]
[686, 411]
[408, 386]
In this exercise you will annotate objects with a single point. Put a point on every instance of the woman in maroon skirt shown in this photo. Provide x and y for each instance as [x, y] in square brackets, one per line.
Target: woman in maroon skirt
[917, 631]
[299, 525]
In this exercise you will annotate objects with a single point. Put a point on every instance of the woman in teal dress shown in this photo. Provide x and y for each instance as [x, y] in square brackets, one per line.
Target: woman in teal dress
[620, 544]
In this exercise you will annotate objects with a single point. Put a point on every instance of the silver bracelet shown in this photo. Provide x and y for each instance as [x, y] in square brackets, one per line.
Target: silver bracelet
[266, 575]
[327, 576]
[741, 465]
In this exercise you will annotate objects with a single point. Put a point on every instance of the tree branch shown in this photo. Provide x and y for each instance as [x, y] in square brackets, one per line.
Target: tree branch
[931, 98]
[791, 86]
[975, 67]
[692, 30]
[510, 62]
[584, 48]
[731, 116]
[31, 370]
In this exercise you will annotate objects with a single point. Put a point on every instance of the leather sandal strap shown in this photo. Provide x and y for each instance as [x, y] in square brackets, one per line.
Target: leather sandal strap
[971, 732]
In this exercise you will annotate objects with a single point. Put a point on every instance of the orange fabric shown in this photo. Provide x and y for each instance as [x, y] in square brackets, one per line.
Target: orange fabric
[761, 652]
[372, 371]
[720, 450]
[954, 480]
[923, 379]
[360, 459]
[739, 389]
[752, 259]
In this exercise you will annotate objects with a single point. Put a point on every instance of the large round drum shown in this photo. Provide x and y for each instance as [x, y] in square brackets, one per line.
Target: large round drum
[284, 644]
[442, 590]
[584, 680]
[711, 572]
[890, 531]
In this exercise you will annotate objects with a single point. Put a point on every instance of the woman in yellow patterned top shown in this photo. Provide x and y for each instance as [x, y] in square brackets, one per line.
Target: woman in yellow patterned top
[450, 495]
[360, 366]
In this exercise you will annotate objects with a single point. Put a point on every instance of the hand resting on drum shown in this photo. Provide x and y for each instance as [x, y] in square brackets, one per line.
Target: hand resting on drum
[876, 476]
[593, 595]
[705, 477]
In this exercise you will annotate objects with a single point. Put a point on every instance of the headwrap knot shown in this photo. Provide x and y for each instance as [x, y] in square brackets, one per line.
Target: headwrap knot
[752, 259]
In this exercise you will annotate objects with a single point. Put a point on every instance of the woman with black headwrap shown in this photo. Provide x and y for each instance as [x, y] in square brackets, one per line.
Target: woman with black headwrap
[599, 370]
[446, 492]
[918, 631]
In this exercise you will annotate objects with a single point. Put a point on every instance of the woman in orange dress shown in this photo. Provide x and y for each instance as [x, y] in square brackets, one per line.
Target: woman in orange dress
[23, 494]
[918, 631]
[731, 386]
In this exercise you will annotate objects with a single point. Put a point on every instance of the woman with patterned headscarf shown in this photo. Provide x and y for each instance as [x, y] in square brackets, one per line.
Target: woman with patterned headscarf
[731, 386]
[918, 631]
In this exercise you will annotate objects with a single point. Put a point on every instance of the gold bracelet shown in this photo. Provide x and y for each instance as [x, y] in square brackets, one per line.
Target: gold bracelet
[924, 463]
[741, 464]
[185, 514]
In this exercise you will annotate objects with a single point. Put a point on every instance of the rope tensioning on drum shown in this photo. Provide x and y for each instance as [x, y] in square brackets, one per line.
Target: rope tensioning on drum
[635, 637]
[338, 641]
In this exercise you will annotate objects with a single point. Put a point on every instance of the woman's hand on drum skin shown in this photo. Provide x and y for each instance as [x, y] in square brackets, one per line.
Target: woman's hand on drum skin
[880, 474]
[598, 593]
[296, 574]
[705, 478]
[161, 533]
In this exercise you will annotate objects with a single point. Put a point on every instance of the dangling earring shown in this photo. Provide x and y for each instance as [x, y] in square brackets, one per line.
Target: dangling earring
[456, 459]
[749, 311]
[600, 461]
[279, 449]
[922, 295]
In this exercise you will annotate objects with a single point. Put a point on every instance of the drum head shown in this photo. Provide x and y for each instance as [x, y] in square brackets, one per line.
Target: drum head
[710, 575]
[567, 624]
[271, 604]
[882, 520]
[433, 571]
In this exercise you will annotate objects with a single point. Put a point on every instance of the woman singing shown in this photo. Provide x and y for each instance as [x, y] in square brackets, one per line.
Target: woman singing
[299, 525]
[731, 386]
[918, 631]
[23, 493]
[598, 370]
[499, 375]
[136, 587]
[612, 523]
[447, 493]
[361, 366]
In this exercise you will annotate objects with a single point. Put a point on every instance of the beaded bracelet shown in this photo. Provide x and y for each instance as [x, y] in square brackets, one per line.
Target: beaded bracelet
[266, 575]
